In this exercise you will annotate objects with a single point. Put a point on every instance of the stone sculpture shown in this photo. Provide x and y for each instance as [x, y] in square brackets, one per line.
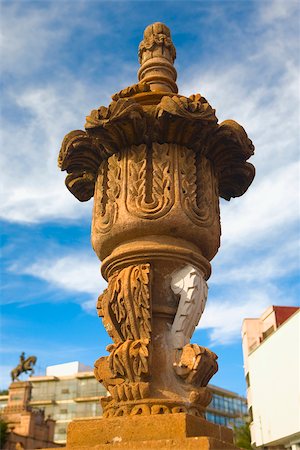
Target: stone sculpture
[156, 163]
[25, 365]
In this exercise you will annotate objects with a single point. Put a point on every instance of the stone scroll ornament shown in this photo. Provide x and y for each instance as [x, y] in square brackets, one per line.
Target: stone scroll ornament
[156, 163]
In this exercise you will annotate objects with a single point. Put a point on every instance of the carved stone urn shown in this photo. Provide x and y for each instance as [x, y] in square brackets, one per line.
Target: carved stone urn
[156, 164]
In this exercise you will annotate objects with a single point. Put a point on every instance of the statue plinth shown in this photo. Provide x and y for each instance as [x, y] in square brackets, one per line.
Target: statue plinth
[19, 395]
[156, 163]
[176, 431]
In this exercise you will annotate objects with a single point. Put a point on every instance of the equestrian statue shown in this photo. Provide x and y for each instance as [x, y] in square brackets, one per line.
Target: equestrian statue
[24, 366]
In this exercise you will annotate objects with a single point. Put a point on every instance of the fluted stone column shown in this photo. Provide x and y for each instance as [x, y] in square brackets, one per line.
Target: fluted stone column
[156, 163]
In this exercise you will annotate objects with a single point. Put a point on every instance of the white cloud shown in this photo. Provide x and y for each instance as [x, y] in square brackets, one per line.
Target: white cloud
[269, 266]
[34, 37]
[33, 186]
[26, 35]
[43, 99]
[223, 317]
[74, 272]
[268, 209]
[278, 10]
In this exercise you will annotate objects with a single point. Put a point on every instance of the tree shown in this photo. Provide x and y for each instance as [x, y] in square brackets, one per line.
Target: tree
[3, 432]
[242, 436]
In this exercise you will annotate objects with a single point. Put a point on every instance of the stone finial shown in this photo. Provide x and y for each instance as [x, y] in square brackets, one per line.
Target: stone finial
[156, 56]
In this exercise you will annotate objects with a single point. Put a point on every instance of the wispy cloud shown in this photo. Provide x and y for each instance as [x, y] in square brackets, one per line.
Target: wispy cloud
[224, 315]
[73, 272]
[31, 181]
[35, 36]
[268, 266]
[45, 98]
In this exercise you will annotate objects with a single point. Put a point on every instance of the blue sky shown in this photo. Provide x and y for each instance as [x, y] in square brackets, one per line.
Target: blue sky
[59, 60]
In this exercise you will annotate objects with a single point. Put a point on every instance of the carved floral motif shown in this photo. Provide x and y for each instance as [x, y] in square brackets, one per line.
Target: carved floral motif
[150, 180]
[114, 409]
[125, 308]
[120, 125]
[195, 365]
[157, 37]
[199, 192]
[125, 305]
[191, 286]
[186, 121]
[132, 90]
[107, 192]
[80, 156]
[129, 359]
[157, 158]
[229, 148]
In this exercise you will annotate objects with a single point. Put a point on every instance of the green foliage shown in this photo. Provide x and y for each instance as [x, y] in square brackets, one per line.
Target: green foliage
[242, 436]
[3, 432]
[4, 392]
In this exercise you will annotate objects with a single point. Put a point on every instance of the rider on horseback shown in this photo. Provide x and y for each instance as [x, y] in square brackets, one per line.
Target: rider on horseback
[22, 359]
[23, 366]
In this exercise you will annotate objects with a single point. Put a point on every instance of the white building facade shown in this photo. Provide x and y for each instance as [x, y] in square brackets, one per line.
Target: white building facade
[271, 346]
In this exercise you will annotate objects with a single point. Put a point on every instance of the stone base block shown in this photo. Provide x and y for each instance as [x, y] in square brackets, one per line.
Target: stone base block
[194, 443]
[162, 431]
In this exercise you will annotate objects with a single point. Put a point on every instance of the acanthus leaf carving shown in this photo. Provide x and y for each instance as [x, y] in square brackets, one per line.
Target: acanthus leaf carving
[186, 121]
[150, 180]
[129, 359]
[195, 365]
[229, 148]
[199, 188]
[120, 388]
[132, 90]
[125, 308]
[191, 286]
[80, 156]
[120, 125]
[107, 192]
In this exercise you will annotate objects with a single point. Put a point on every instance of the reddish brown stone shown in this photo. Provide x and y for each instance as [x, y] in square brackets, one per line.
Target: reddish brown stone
[156, 163]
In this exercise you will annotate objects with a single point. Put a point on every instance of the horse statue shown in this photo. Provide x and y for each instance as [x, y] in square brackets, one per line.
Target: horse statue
[24, 366]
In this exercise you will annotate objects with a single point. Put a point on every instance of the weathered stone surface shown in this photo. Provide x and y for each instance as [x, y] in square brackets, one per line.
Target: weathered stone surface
[193, 443]
[156, 163]
[141, 430]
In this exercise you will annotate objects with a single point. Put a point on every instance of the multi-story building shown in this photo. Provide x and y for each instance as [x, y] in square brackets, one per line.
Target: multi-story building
[226, 408]
[3, 400]
[27, 428]
[70, 391]
[271, 347]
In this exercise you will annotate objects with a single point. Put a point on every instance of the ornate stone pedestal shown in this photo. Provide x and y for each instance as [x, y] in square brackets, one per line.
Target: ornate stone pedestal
[156, 163]
[174, 431]
[27, 428]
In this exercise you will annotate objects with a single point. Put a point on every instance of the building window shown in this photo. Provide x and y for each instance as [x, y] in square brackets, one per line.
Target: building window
[247, 380]
[268, 332]
[251, 414]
